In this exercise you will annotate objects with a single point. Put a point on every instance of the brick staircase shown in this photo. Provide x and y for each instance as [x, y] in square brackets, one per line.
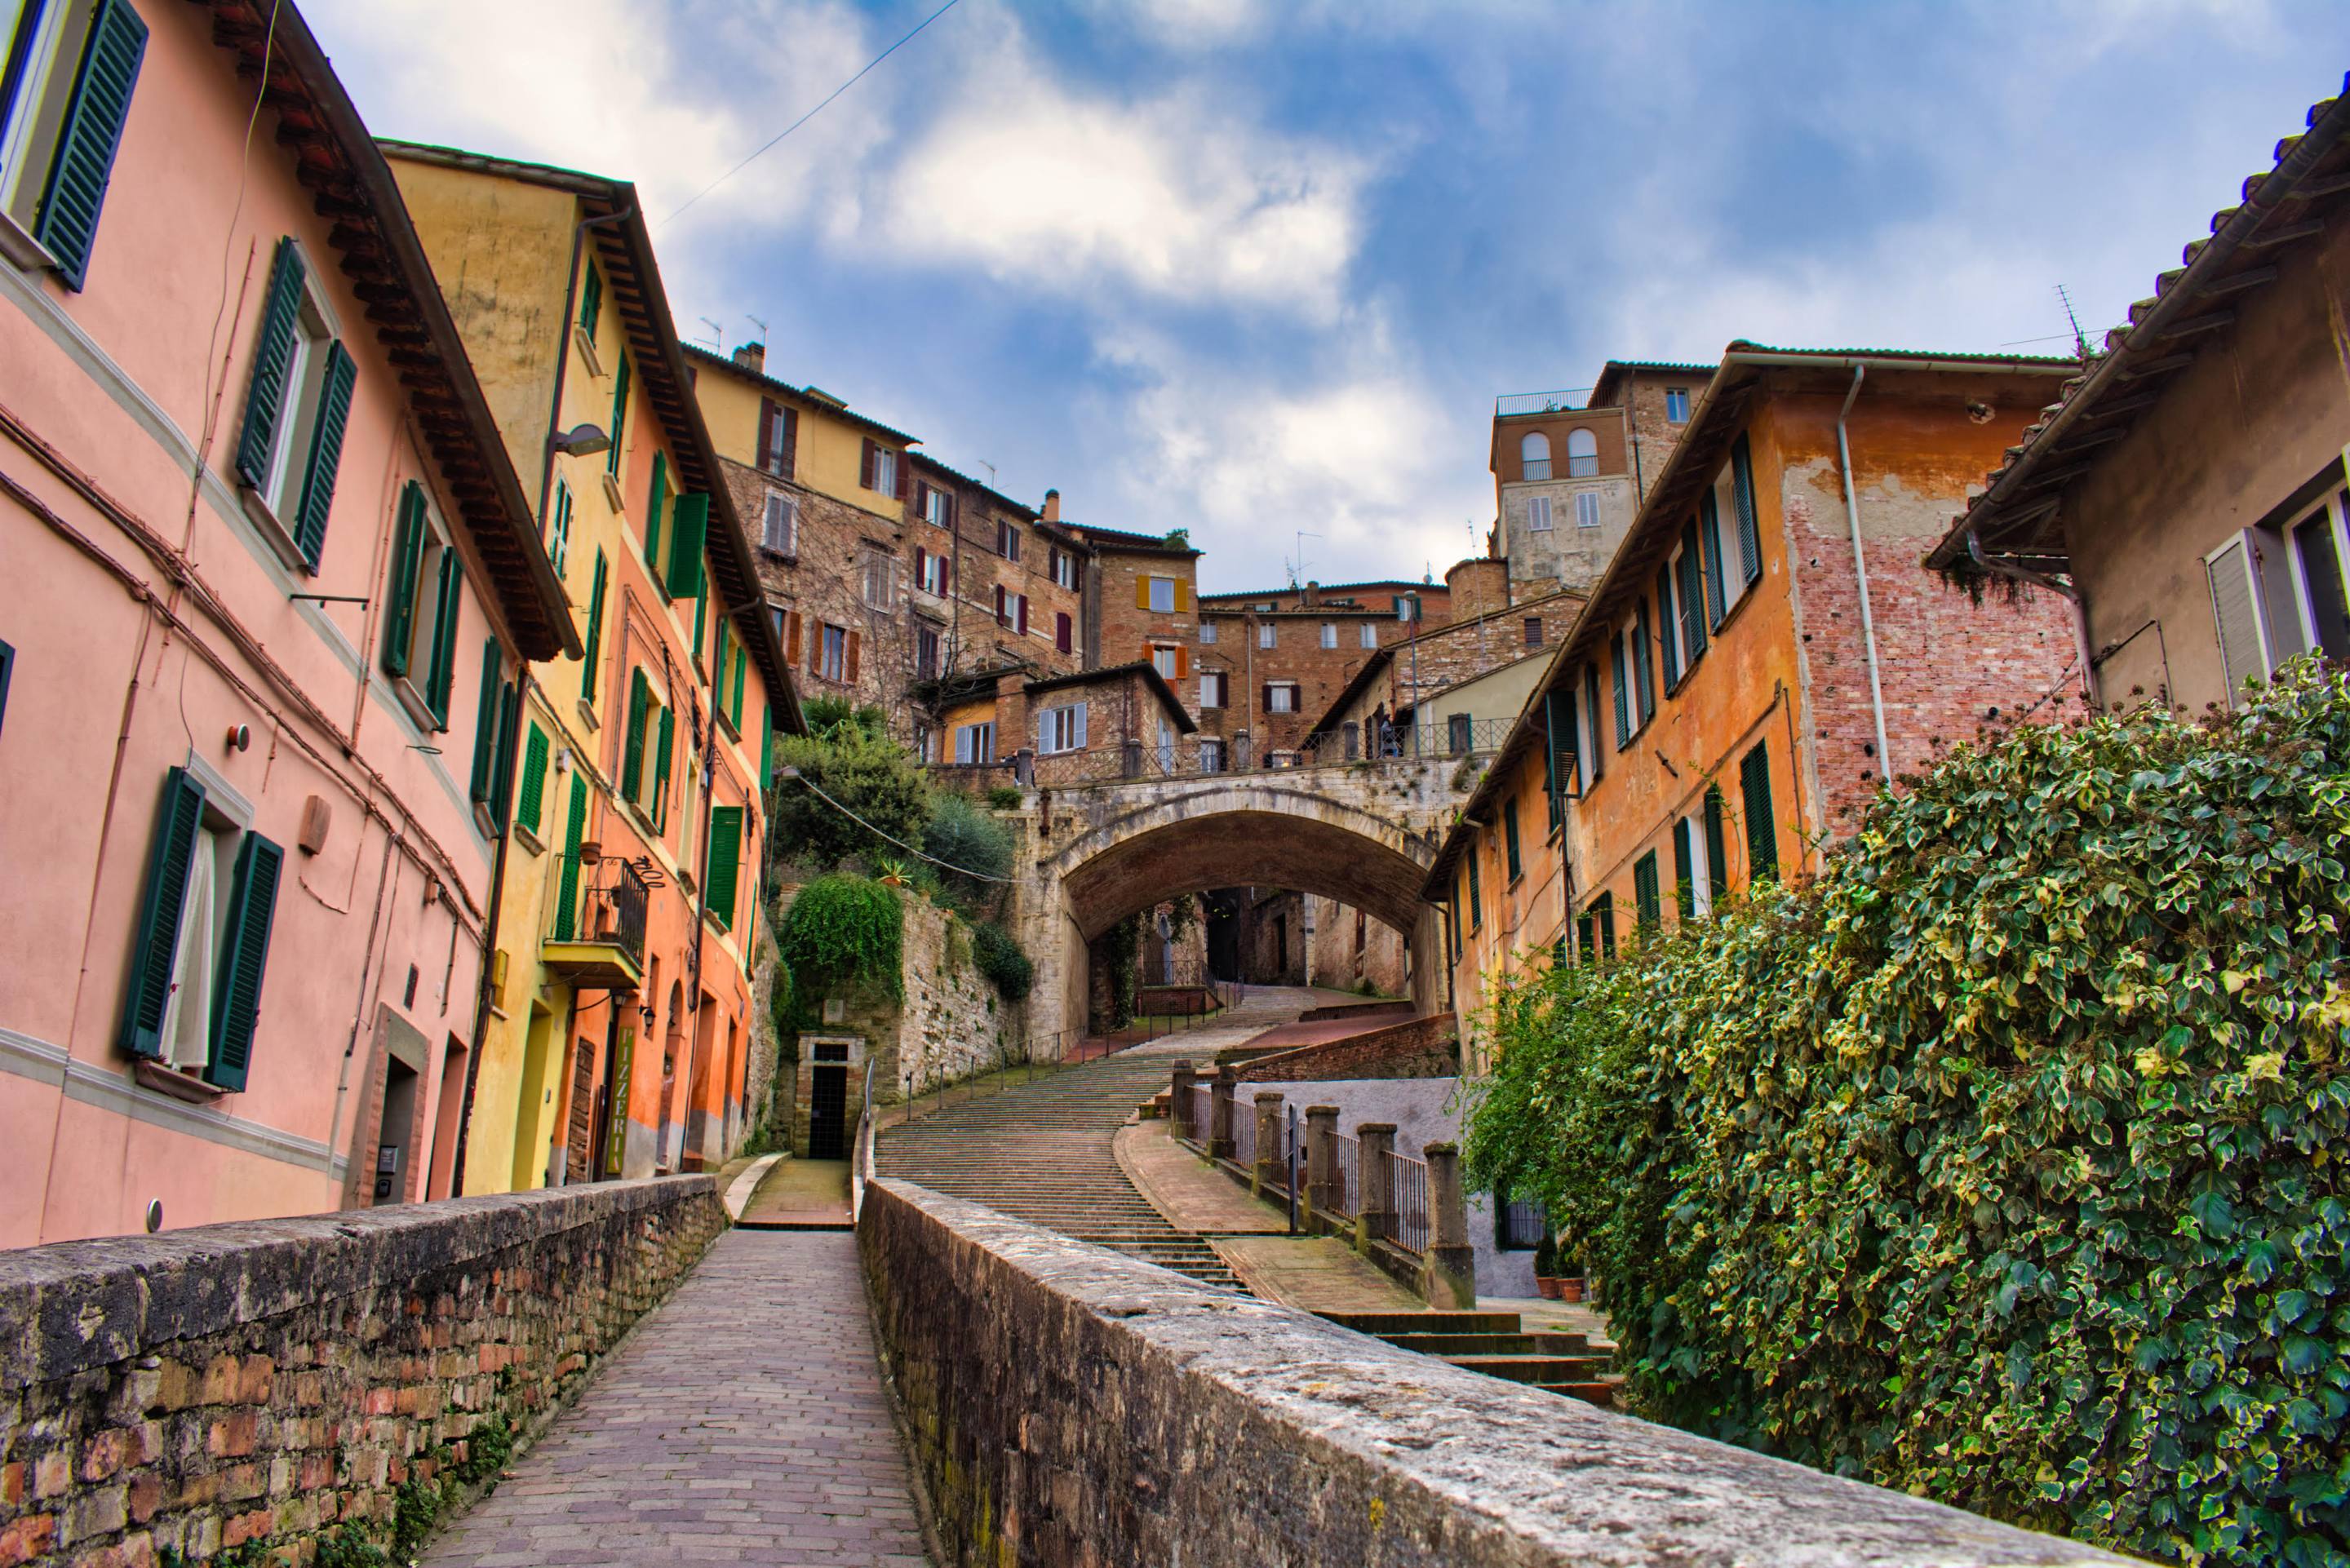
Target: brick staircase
[1042, 1152]
[1495, 1343]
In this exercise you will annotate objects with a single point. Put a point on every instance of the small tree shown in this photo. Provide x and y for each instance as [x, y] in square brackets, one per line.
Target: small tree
[845, 775]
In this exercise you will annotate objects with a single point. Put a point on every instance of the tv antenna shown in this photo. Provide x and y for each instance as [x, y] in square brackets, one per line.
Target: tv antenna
[717, 335]
[757, 323]
[1297, 567]
[2080, 338]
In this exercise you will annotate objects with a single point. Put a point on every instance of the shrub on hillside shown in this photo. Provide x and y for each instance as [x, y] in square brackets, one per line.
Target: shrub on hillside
[975, 848]
[998, 956]
[2006, 1163]
[843, 933]
[854, 775]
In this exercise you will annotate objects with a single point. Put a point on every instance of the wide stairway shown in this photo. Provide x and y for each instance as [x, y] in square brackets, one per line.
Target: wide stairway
[1042, 1151]
[1495, 1343]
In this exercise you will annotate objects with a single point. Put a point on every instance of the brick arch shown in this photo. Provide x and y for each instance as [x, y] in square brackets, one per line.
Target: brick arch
[1238, 834]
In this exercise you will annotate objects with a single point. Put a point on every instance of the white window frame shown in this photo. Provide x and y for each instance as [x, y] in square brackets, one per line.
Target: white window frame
[2327, 516]
[1167, 660]
[1530, 468]
[558, 529]
[316, 329]
[785, 505]
[1065, 569]
[1582, 464]
[1061, 729]
[1208, 632]
[1701, 874]
[975, 743]
[1007, 541]
[935, 508]
[1677, 405]
[1329, 634]
[885, 469]
[828, 666]
[1370, 634]
[1539, 518]
[425, 617]
[1157, 584]
[1265, 634]
[932, 578]
[1668, 606]
[50, 67]
[1215, 687]
[1283, 697]
[1586, 509]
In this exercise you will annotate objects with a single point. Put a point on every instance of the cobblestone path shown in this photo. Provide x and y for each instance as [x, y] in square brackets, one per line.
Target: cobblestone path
[744, 1423]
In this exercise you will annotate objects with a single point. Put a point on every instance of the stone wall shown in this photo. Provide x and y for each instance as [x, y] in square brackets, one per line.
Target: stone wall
[270, 1380]
[1416, 1048]
[1069, 1405]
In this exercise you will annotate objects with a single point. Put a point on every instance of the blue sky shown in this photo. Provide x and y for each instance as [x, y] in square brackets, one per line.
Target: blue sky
[1254, 268]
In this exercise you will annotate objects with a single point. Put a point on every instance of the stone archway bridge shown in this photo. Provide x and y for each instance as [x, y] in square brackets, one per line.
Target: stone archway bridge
[1363, 831]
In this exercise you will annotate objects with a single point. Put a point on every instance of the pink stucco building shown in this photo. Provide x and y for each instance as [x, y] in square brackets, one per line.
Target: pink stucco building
[267, 584]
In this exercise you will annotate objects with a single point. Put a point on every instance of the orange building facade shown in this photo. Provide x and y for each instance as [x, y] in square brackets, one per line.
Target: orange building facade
[1766, 651]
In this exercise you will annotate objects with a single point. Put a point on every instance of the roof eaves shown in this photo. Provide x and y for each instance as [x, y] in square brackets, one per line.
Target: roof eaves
[820, 403]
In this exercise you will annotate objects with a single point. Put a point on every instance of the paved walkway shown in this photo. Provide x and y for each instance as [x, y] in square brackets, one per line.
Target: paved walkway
[1313, 1273]
[800, 1194]
[745, 1423]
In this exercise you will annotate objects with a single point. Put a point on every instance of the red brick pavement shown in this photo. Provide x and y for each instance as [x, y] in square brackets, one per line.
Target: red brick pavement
[745, 1423]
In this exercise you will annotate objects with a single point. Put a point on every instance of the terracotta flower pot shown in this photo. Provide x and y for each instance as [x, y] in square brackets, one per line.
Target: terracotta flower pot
[1571, 1289]
[1546, 1286]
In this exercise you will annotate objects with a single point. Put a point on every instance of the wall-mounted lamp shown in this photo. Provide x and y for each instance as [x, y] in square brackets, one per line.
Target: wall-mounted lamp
[580, 440]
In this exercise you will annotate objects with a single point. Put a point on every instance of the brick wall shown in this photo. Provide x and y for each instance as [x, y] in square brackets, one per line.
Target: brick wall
[1416, 1048]
[268, 1381]
[1126, 629]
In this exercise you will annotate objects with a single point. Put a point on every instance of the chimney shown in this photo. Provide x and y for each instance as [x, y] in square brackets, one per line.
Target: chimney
[753, 357]
[1052, 513]
[1312, 596]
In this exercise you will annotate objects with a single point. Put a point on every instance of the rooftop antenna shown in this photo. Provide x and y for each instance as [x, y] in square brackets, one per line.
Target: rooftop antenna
[1297, 567]
[757, 323]
[2080, 338]
[993, 483]
[717, 335]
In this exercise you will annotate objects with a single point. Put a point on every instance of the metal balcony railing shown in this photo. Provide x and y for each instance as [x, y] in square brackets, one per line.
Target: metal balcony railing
[1407, 1224]
[1539, 402]
[608, 903]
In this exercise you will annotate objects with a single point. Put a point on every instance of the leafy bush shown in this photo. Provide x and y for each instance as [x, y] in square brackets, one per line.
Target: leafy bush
[874, 778]
[1005, 797]
[2004, 1163]
[976, 847]
[999, 957]
[843, 933]
[838, 719]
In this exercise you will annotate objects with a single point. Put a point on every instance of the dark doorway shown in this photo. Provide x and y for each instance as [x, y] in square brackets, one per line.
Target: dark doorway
[1222, 908]
[392, 1152]
[827, 1110]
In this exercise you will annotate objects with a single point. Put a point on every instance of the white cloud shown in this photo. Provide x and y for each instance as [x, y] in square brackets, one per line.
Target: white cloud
[1177, 196]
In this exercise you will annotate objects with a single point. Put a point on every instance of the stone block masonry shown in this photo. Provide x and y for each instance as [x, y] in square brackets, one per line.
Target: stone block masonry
[1068, 1404]
[266, 1382]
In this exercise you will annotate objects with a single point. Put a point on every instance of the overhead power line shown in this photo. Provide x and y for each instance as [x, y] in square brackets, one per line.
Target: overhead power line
[762, 150]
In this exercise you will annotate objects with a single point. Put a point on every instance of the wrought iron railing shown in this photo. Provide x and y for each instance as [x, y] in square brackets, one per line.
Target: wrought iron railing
[1350, 1174]
[1539, 402]
[601, 900]
[1203, 1111]
[1197, 756]
[1523, 1223]
[1244, 1135]
[1407, 1219]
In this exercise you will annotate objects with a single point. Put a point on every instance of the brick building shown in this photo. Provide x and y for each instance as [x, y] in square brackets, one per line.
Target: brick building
[1058, 730]
[1271, 660]
[1140, 596]
[1726, 703]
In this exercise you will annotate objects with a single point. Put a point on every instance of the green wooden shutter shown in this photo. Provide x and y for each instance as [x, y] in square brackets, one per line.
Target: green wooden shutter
[663, 747]
[591, 300]
[1649, 907]
[264, 399]
[1762, 825]
[595, 631]
[326, 455]
[701, 614]
[485, 724]
[766, 747]
[1550, 754]
[236, 997]
[742, 664]
[688, 533]
[1510, 835]
[67, 224]
[656, 500]
[444, 672]
[531, 803]
[1708, 528]
[1741, 485]
[1623, 699]
[717, 657]
[501, 786]
[1591, 706]
[725, 852]
[632, 755]
[149, 994]
[1692, 593]
[1717, 858]
[567, 903]
[1667, 633]
[1684, 889]
[407, 560]
[619, 414]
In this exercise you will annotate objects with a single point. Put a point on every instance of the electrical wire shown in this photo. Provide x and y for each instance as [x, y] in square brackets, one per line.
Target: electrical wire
[764, 147]
[958, 870]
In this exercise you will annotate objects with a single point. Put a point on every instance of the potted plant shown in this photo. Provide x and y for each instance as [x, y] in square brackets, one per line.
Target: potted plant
[1546, 1267]
[1570, 1281]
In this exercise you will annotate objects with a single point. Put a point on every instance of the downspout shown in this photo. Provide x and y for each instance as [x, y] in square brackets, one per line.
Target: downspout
[1860, 571]
[489, 939]
[708, 726]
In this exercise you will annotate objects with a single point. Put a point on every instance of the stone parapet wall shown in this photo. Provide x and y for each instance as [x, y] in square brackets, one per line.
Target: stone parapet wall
[1416, 1048]
[1068, 1404]
[267, 1381]
[1355, 1010]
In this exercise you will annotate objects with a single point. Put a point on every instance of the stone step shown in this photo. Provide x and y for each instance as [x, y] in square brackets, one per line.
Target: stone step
[1456, 1344]
[1599, 1391]
[1533, 1368]
[1379, 1325]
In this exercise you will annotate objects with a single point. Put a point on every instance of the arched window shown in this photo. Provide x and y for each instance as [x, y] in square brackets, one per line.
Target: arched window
[1582, 454]
[1534, 455]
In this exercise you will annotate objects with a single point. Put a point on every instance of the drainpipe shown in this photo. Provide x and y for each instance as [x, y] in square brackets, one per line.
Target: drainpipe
[1860, 570]
[489, 936]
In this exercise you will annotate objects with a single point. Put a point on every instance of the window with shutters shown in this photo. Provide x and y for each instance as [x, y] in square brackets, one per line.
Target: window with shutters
[1762, 823]
[876, 581]
[495, 711]
[1582, 454]
[1007, 540]
[1368, 633]
[297, 403]
[1020, 614]
[885, 471]
[1718, 595]
[1509, 837]
[591, 300]
[1594, 756]
[558, 529]
[1065, 568]
[1677, 405]
[1265, 634]
[1602, 926]
[422, 603]
[779, 524]
[1668, 639]
[1644, 664]
[1742, 506]
[1329, 634]
[927, 659]
[1281, 697]
[975, 743]
[1621, 675]
[1065, 632]
[934, 507]
[778, 428]
[833, 657]
[1167, 660]
[67, 71]
[201, 943]
[722, 863]
[1534, 456]
[1647, 897]
[1586, 509]
[929, 572]
[1061, 729]
[1212, 755]
[1693, 847]
[2279, 591]
[1002, 605]
[1539, 518]
[1162, 594]
[1214, 686]
[1476, 894]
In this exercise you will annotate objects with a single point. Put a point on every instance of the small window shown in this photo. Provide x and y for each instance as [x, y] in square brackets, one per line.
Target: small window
[1647, 897]
[1214, 685]
[1064, 568]
[420, 634]
[779, 524]
[1677, 404]
[558, 529]
[296, 404]
[1265, 634]
[1281, 697]
[1510, 836]
[1533, 631]
[1586, 509]
[1582, 454]
[833, 663]
[1007, 541]
[1065, 632]
[1212, 755]
[1061, 729]
[1534, 456]
[67, 71]
[929, 572]
[1168, 661]
[975, 743]
[934, 507]
[926, 652]
[1369, 633]
[1329, 634]
[1162, 594]
[1208, 632]
[876, 581]
[1538, 513]
[885, 471]
[1460, 734]
[778, 432]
